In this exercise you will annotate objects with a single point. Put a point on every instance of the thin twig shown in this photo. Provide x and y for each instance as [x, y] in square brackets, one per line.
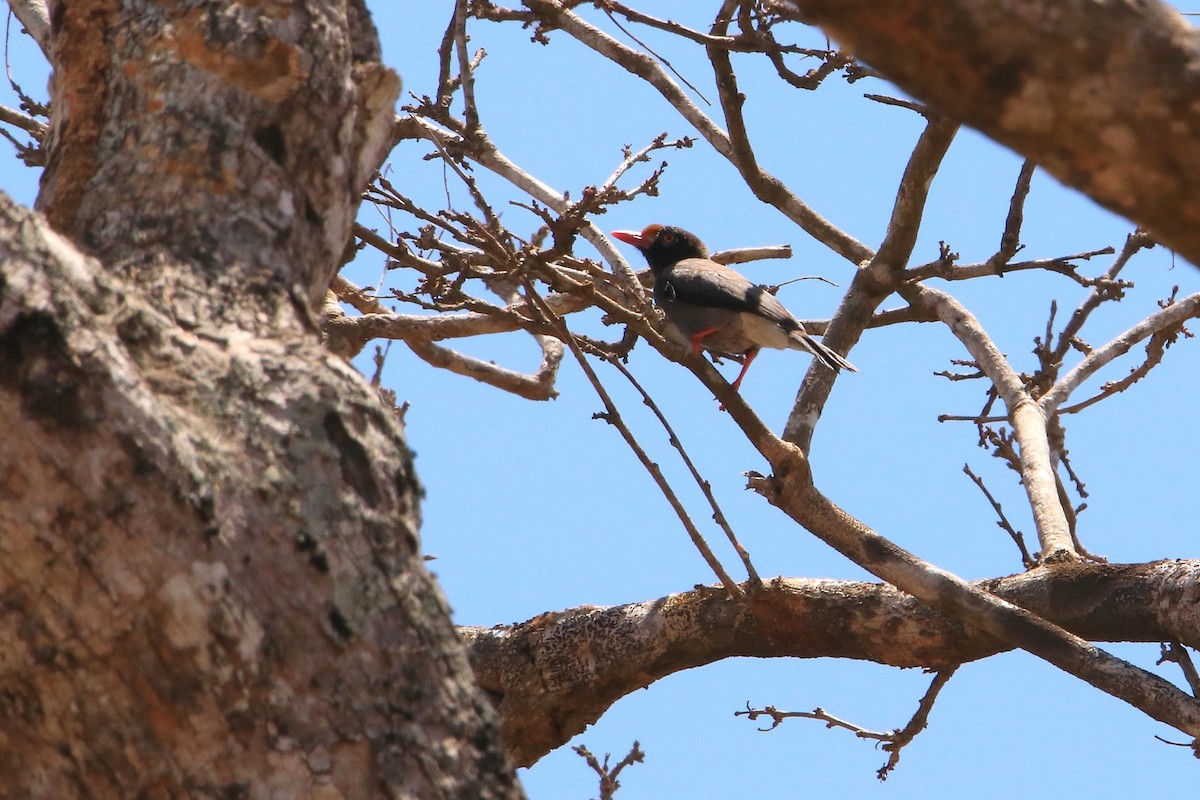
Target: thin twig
[705, 486]
[1010, 240]
[1107, 288]
[1003, 523]
[642, 156]
[819, 714]
[888, 100]
[946, 269]
[612, 416]
[892, 741]
[658, 57]
[1177, 653]
[918, 723]
[1163, 320]
[608, 777]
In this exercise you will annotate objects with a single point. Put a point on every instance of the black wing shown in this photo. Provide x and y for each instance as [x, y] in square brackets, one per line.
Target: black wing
[704, 283]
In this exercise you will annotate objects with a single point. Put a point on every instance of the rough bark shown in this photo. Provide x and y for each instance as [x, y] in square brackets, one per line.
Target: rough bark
[210, 577]
[1102, 94]
[552, 676]
[792, 491]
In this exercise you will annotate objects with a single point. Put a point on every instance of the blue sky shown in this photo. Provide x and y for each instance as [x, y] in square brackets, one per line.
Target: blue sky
[535, 507]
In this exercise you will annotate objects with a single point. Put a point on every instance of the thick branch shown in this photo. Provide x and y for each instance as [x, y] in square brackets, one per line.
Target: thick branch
[792, 491]
[552, 676]
[1100, 93]
[875, 282]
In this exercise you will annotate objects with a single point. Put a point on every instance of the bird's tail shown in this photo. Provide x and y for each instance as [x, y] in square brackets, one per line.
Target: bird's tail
[823, 354]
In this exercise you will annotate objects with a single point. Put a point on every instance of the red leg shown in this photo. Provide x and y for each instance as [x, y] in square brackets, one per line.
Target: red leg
[696, 337]
[750, 355]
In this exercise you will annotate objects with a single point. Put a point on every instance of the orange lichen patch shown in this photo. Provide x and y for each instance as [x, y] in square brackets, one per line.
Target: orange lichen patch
[274, 74]
[195, 173]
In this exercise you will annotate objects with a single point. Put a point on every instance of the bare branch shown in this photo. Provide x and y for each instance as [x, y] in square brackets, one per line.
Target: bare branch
[1010, 240]
[741, 44]
[466, 67]
[918, 723]
[659, 57]
[743, 255]
[35, 128]
[1003, 523]
[1106, 288]
[650, 185]
[875, 281]
[487, 155]
[608, 777]
[612, 416]
[539, 386]
[1177, 653]
[882, 99]
[705, 486]
[1028, 419]
[757, 26]
[765, 186]
[819, 714]
[398, 253]
[598, 655]
[795, 494]
[348, 292]
[1148, 172]
[35, 19]
[948, 270]
[1161, 321]
[1155, 350]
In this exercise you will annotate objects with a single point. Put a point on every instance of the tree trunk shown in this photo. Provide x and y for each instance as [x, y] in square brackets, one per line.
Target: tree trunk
[210, 576]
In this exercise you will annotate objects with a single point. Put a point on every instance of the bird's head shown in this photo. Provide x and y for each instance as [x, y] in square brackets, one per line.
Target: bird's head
[664, 245]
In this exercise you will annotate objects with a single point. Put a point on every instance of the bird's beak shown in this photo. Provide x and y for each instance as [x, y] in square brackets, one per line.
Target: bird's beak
[631, 237]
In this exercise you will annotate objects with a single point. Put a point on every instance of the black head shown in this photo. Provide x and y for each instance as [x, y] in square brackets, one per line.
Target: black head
[664, 245]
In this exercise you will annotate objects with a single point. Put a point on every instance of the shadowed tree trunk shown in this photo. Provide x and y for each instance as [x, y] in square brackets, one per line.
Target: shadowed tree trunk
[210, 577]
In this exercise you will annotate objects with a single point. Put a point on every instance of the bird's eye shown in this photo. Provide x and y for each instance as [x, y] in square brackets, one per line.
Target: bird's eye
[668, 238]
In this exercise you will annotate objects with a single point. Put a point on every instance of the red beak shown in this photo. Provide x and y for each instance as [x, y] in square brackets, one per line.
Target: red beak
[631, 237]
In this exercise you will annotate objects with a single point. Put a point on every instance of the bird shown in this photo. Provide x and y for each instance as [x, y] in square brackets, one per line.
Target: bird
[718, 308]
